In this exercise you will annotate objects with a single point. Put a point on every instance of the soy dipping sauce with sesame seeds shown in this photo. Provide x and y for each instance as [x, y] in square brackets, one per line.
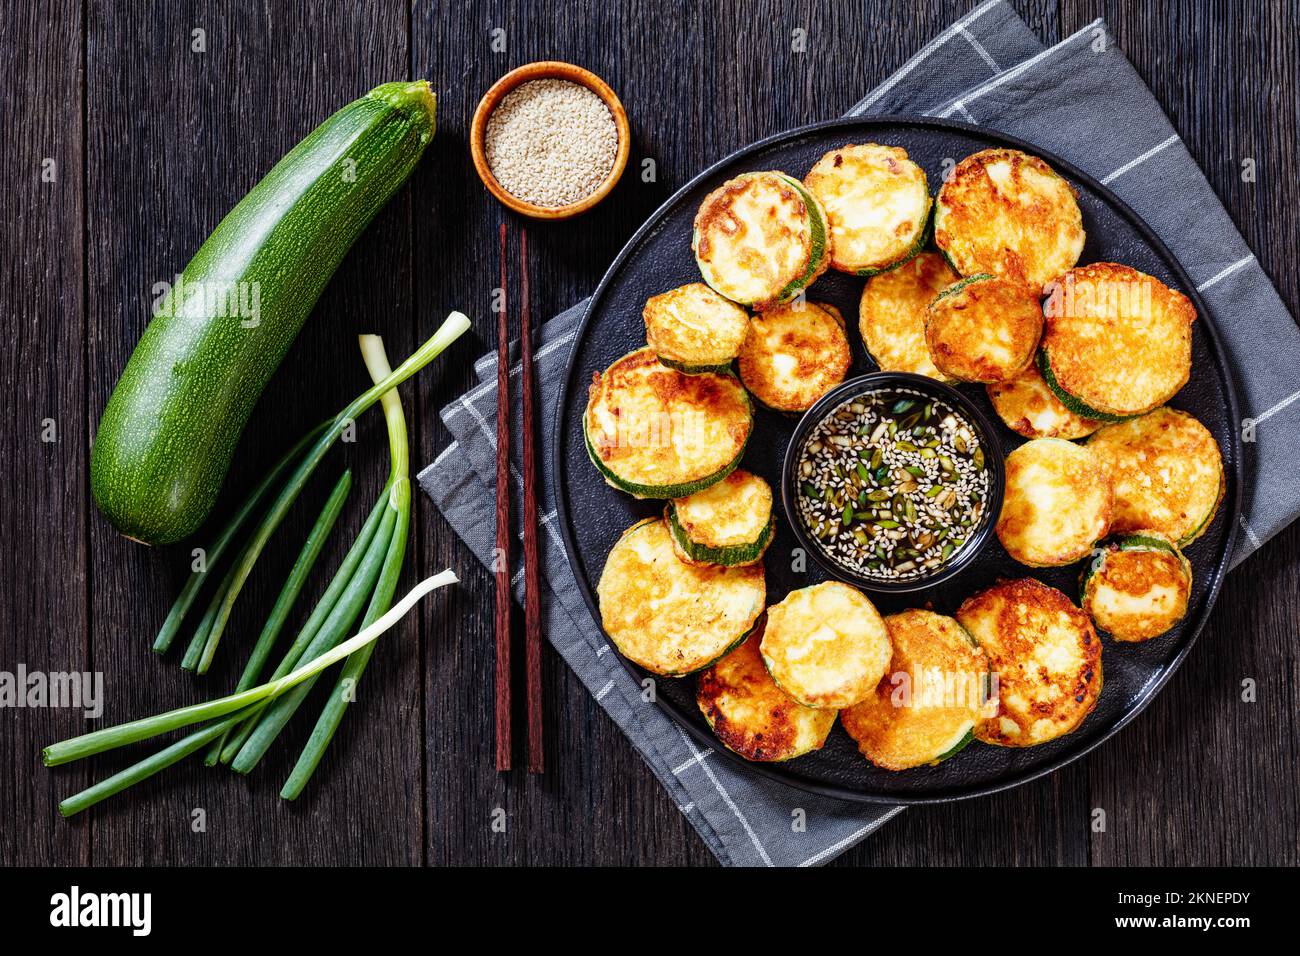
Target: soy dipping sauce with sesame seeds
[892, 483]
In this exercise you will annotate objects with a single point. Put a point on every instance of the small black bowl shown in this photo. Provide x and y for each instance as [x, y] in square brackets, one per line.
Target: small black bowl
[878, 381]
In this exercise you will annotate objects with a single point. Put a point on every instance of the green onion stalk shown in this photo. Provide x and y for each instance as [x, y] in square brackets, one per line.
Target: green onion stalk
[377, 582]
[344, 692]
[240, 727]
[211, 627]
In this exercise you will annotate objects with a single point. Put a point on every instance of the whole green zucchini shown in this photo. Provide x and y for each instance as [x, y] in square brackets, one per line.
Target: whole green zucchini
[171, 425]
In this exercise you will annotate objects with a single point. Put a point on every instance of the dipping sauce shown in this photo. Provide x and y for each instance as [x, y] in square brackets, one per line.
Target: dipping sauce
[892, 484]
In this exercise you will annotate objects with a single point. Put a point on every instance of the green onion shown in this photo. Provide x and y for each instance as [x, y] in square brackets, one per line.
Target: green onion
[339, 622]
[110, 738]
[372, 349]
[186, 598]
[320, 613]
[450, 330]
[302, 567]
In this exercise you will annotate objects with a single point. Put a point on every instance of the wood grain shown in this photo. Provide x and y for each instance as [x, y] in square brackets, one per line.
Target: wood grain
[502, 563]
[154, 143]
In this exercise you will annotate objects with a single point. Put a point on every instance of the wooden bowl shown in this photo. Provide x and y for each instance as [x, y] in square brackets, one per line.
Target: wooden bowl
[547, 70]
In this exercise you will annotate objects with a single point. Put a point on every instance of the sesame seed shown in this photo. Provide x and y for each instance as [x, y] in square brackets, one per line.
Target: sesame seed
[551, 142]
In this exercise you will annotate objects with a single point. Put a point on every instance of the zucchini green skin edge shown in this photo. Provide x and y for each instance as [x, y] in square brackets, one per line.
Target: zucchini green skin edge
[1080, 408]
[687, 368]
[1130, 542]
[729, 556]
[169, 430]
[820, 231]
[657, 491]
[917, 247]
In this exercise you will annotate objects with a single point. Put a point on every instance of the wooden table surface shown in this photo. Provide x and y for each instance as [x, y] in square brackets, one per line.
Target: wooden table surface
[149, 141]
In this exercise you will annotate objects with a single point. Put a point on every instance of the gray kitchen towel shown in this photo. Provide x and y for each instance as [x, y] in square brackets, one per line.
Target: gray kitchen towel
[990, 69]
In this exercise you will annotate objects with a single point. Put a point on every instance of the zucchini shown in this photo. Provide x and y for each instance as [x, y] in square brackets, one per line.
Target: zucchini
[1008, 213]
[1168, 474]
[1119, 341]
[1046, 658]
[670, 617]
[751, 715]
[728, 523]
[826, 645]
[655, 432]
[1138, 587]
[1058, 502]
[693, 329]
[926, 708]
[983, 329]
[1030, 408]
[760, 239]
[878, 204]
[169, 430]
[794, 354]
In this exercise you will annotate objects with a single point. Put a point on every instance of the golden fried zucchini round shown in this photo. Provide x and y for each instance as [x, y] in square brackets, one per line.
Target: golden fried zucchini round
[727, 523]
[751, 715]
[1057, 504]
[1117, 341]
[925, 708]
[826, 645]
[655, 432]
[878, 203]
[670, 617]
[1045, 657]
[893, 310]
[1007, 213]
[1138, 587]
[693, 329]
[1030, 408]
[983, 329]
[760, 239]
[794, 354]
[1168, 474]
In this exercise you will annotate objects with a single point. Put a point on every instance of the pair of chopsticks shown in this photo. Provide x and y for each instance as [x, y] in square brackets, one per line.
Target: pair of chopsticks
[502, 564]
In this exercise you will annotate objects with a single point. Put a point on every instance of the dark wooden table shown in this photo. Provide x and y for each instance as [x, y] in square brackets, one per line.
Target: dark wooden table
[149, 141]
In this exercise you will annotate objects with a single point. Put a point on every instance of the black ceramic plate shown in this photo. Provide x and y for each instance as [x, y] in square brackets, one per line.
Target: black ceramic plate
[592, 515]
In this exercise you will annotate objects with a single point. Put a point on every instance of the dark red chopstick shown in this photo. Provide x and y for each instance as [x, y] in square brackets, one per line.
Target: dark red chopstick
[532, 581]
[501, 563]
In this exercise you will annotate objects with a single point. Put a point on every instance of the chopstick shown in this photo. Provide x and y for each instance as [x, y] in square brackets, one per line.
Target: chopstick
[501, 562]
[532, 582]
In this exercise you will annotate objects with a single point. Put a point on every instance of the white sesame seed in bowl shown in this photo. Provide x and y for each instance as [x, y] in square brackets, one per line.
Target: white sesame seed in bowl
[550, 140]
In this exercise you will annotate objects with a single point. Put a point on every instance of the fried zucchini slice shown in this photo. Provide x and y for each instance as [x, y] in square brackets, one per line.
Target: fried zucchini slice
[893, 310]
[728, 523]
[1057, 504]
[760, 239]
[1168, 474]
[926, 707]
[1030, 408]
[878, 203]
[826, 645]
[693, 329]
[1007, 213]
[1045, 657]
[983, 329]
[1118, 342]
[794, 354]
[655, 432]
[1138, 587]
[670, 617]
[751, 715]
